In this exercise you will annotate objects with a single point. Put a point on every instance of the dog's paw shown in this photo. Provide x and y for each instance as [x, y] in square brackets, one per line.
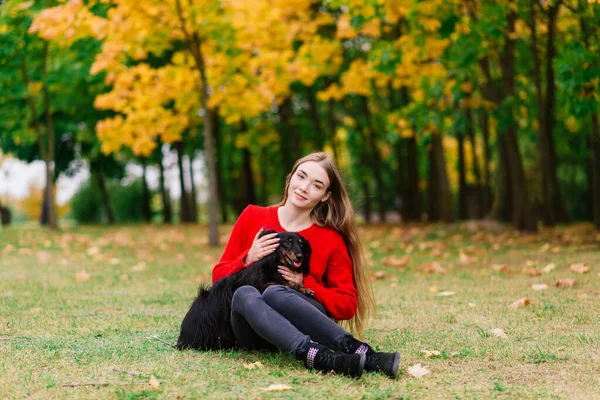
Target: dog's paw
[307, 292]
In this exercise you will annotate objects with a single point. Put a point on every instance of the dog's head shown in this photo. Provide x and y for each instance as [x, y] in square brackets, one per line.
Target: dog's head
[293, 251]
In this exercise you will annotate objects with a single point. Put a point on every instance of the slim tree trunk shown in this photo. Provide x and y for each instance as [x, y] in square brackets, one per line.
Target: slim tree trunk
[50, 153]
[413, 198]
[164, 193]
[595, 169]
[462, 177]
[319, 133]
[485, 130]
[290, 140]
[99, 178]
[476, 172]
[193, 196]
[444, 199]
[220, 166]
[185, 214]
[146, 212]
[331, 130]
[376, 162]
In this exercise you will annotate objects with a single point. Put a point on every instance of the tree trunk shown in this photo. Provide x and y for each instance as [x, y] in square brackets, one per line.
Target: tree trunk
[50, 153]
[433, 188]
[376, 162]
[315, 118]
[247, 179]
[146, 211]
[522, 217]
[4, 216]
[290, 140]
[366, 206]
[462, 178]
[485, 130]
[185, 211]
[193, 195]
[476, 172]
[595, 169]
[164, 193]
[413, 197]
[331, 130]
[220, 166]
[444, 198]
[99, 178]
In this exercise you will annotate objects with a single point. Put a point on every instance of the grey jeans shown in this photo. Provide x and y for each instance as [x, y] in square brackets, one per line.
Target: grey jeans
[281, 318]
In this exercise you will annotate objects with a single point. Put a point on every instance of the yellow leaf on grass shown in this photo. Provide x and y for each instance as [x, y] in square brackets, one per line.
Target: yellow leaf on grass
[524, 302]
[445, 294]
[539, 286]
[277, 387]
[434, 267]
[154, 383]
[82, 276]
[253, 365]
[43, 257]
[565, 283]
[379, 275]
[580, 268]
[392, 261]
[498, 333]
[139, 267]
[464, 259]
[532, 272]
[431, 353]
[418, 371]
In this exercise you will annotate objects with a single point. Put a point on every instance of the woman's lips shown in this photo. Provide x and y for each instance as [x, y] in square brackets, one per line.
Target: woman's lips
[299, 196]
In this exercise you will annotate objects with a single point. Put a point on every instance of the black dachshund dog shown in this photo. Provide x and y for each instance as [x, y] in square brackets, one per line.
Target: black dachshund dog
[207, 324]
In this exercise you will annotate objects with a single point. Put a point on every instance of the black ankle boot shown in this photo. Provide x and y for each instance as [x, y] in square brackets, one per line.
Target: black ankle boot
[376, 361]
[323, 359]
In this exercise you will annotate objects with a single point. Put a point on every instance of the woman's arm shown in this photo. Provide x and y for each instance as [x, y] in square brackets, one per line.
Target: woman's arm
[339, 297]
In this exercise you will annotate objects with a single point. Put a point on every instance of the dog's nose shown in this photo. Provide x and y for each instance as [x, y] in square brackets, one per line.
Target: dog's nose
[299, 256]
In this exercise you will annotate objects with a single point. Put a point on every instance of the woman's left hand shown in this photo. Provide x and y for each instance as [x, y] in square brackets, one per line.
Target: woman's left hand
[296, 279]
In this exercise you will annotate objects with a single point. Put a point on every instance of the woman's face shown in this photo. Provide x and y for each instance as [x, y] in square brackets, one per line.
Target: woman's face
[309, 185]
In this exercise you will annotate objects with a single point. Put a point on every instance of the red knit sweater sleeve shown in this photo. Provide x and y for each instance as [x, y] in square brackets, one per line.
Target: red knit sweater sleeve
[339, 297]
[232, 259]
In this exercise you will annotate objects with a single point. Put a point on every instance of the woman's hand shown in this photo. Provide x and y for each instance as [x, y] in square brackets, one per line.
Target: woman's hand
[261, 247]
[295, 279]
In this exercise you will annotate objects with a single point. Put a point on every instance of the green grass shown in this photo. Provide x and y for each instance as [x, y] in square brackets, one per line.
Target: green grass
[104, 336]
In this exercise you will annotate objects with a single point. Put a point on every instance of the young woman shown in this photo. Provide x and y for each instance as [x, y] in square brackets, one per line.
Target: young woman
[316, 205]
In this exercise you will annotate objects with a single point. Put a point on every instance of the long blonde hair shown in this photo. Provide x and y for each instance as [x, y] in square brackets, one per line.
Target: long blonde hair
[337, 213]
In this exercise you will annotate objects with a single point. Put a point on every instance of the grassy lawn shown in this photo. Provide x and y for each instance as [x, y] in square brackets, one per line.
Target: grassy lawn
[85, 313]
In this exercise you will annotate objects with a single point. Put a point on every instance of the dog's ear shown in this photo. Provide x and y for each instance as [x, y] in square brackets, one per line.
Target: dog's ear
[306, 251]
[266, 232]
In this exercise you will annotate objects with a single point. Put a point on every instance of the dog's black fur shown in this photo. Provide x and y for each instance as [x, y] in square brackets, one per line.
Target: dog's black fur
[207, 324]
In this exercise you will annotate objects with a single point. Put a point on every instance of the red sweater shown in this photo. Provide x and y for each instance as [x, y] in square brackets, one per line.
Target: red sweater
[331, 276]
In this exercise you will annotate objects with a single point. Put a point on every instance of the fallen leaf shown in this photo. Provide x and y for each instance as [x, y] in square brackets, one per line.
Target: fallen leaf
[555, 249]
[565, 283]
[139, 267]
[9, 248]
[524, 302]
[501, 268]
[539, 286]
[379, 275]
[580, 268]
[433, 289]
[92, 251]
[124, 277]
[43, 257]
[418, 371]
[253, 365]
[392, 261]
[498, 333]
[472, 305]
[277, 387]
[464, 259]
[545, 247]
[445, 294]
[434, 267]
[154, 383]
[114, 261]
[532, 272]
[549, 267]
[431, 353]
[82, 276]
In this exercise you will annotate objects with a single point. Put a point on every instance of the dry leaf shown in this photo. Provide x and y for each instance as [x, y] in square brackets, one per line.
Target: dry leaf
[434, 267]
[464, 259]
[139, 267]
[431, 353]
[565, 283]
[92, 251]
[524, 302]
[9, 248]
[445, 294]
[114, 261]
[498, 333]
[501, 268]
[82, 276]
[43, 257]
[253, 365]
[277, 387]
[580, 268]
[392, 261]
[154, 383]
[549, 267]
[545, 247]
[379, 275]
[472, 305]
[539, 286]
[433, 289]
[532, 272]
[418, 371]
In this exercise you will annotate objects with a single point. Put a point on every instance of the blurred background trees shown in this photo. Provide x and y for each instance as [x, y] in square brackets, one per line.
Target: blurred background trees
[440, 110]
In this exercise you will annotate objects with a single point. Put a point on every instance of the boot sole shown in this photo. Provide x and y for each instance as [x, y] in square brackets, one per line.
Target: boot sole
[394, 372]
[361, 366]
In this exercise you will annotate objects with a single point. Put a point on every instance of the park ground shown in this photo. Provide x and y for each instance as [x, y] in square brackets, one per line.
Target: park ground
[90, 312]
